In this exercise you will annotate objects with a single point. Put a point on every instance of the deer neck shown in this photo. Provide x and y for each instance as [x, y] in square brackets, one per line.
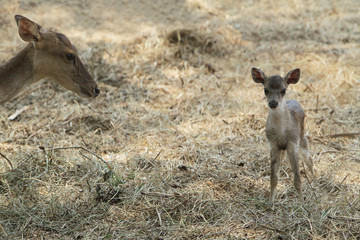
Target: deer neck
[17, 73]
[279, 117]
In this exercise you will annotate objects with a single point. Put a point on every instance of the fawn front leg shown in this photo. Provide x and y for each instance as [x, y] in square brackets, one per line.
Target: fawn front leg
[293, 154]
[275, 154]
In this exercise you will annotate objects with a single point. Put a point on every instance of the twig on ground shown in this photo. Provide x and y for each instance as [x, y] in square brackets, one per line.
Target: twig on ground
[159, 216]
[152, 162]
[8, 161]
[345, 218]
[339, 187]
[343, 180]
[317, 109]
[354, 134]
[312, 230]
[3, 230]
[13, 116]
[327, 143]
[336, 187]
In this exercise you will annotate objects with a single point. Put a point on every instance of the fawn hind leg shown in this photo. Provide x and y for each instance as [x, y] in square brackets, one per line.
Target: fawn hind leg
[282, 156]
[305, 155]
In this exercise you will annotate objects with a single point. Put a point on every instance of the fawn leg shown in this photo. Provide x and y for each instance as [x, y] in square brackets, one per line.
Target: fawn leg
[275, 167]
[305, 152]
[292, 151]
[282, 156]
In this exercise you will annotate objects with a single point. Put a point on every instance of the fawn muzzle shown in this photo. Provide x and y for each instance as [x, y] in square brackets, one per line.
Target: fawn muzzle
[273, 104]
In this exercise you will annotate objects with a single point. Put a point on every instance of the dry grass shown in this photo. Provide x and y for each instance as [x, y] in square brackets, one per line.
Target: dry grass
[180, 124]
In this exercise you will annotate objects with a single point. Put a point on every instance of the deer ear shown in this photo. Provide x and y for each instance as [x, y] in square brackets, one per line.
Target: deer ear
[29, 31]
[293, 76]
[258, 75]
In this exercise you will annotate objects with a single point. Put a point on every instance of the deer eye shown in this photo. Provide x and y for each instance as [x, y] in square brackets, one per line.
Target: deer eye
[283, 92]
[266, 91]
[70, 56]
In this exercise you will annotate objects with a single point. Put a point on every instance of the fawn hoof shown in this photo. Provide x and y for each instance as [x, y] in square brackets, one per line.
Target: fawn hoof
[271, 200]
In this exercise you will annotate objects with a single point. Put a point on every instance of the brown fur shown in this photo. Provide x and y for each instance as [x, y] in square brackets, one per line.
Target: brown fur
[44, 57]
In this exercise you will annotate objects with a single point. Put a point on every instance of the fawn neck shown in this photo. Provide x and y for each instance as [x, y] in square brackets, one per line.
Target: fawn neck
[17, 73]
[279, 117]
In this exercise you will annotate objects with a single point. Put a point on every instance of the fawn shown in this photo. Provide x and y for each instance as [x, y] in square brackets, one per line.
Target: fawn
[284, 127]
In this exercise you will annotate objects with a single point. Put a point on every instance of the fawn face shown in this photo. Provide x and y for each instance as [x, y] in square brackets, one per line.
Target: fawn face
[275, 86]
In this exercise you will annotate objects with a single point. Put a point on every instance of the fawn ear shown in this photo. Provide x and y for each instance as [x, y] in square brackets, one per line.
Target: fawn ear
[293, 76]
[29, 31]
[258, 75]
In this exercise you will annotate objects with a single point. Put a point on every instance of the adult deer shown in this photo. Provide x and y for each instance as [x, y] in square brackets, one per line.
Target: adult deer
[284, 127]
[48, 55]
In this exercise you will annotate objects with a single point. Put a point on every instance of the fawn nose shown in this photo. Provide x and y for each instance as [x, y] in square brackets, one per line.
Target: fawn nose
[273, 104]
[96, 92]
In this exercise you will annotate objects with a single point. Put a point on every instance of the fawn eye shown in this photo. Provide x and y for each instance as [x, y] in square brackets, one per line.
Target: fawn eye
[283, 92]
[266, 91]
[70, 56]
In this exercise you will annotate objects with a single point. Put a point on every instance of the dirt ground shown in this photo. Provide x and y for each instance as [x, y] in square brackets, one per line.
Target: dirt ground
[174, 147]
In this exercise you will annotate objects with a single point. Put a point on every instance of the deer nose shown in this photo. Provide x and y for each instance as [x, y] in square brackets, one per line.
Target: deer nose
[273, 104]
[96, 92]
